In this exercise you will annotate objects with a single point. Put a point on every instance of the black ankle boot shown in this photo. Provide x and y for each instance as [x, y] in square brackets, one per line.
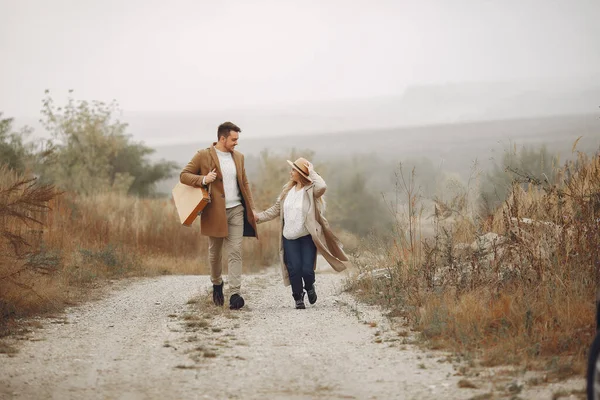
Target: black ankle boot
[236, 302]
[312, 294]
[299, 297]
[218, 297]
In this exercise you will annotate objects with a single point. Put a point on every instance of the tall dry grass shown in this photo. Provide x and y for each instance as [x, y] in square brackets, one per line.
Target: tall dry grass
[515, 286]
[57, 245]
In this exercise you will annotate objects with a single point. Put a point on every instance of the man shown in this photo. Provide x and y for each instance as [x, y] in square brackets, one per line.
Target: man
[229, 216]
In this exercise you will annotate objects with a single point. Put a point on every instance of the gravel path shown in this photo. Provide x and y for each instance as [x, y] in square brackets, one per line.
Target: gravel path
[161, 338]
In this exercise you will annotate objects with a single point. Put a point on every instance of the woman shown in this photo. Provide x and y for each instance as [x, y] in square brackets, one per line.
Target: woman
[304, 230]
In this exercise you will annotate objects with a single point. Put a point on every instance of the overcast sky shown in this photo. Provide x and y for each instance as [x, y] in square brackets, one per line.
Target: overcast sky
[193, 55]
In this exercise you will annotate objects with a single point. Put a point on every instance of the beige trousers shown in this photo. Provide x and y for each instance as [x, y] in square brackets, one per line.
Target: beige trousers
[233, 247]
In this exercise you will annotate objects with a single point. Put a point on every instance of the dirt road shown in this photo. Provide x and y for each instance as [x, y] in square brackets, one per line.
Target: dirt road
[161, 338]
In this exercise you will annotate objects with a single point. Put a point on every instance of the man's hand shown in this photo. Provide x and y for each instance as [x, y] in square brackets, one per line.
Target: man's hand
[255, 215]
[211, 176]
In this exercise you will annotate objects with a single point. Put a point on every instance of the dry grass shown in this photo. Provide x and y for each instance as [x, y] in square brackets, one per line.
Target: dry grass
[569, 394]
[524, 294]
[55, 246]
[5, 348]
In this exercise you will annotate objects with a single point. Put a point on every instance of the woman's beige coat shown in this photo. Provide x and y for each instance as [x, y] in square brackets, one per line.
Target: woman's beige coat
[328, 245]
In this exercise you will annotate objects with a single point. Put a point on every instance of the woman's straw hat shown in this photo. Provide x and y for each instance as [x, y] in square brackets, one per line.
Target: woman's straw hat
[300, 166]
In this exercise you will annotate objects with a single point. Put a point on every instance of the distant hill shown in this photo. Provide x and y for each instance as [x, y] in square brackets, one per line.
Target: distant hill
[454, 145]
[468, 102]
[419, 105]
[434, 139]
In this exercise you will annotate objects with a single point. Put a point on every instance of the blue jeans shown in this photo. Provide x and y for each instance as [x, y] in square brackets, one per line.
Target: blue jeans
[299, 256]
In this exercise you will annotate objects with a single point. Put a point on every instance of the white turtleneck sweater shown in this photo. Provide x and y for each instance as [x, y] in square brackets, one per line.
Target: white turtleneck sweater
[232, 191]
[294, 215]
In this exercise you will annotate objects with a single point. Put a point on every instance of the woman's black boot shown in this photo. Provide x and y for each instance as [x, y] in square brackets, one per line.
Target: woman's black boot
[312, 294]
[299, 298]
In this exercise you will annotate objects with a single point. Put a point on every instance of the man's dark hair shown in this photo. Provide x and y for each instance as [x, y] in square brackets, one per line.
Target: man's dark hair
[225, 129]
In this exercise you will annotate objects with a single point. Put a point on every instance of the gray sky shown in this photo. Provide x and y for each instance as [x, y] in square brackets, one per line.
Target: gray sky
[192, 55]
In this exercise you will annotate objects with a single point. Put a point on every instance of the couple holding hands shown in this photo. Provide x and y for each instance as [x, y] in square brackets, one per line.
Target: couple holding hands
[230, 216]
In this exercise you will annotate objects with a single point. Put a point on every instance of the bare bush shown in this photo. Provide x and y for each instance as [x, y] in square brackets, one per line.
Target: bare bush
[23, 202]
[519, 281]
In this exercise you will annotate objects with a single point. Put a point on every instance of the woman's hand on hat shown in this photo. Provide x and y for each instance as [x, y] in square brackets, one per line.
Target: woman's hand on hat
[309, 166]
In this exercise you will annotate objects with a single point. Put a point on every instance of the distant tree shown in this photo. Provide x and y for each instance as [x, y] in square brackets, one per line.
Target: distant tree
[518, 165]
[355, 202]
[14, 152]
[90, 151]
[428, 177]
